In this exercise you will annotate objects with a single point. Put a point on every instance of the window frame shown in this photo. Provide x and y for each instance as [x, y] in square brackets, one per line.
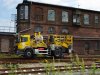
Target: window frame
[97, 45]
[24, 39]
[24, 12]
[96, 19]
[53, 16]
[76, 18]
[65, 16]
[86, 19]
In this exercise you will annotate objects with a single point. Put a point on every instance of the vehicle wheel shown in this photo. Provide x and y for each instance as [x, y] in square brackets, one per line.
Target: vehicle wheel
[58, 53]
[28, 53]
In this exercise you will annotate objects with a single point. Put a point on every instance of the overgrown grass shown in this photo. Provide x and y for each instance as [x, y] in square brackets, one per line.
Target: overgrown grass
[76, 61]
[12, 67]
[5, 55]
[51, 69]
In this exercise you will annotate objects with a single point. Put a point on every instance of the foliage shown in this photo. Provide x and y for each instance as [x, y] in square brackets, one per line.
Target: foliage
[51, 69]
[4, 55]
[93, 69]
[12, 68]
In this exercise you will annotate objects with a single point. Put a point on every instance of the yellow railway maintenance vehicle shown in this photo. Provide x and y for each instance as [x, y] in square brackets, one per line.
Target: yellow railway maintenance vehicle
[53, 45]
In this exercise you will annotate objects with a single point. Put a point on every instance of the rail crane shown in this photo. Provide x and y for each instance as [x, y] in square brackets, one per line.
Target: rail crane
[37, 44]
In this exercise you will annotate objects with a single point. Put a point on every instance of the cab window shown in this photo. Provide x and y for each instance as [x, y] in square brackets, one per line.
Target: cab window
[24, 39]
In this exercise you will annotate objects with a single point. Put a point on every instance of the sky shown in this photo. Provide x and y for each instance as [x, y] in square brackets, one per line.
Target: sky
[8, 7]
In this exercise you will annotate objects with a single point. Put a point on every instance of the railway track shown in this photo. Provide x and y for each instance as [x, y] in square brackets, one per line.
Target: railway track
[41, 69]
[50, 59]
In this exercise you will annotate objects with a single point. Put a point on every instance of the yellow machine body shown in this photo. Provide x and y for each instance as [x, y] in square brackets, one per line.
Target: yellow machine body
[24, 41]
[33, 45]
[63, 40]
[27, 41]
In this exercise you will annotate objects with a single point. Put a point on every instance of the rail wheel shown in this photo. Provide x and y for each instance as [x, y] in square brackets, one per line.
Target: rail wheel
[58, 53]
[28, 53]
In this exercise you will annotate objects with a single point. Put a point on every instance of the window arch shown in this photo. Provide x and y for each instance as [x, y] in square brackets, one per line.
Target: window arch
[38, 29]
[64, 30]
[51, 30]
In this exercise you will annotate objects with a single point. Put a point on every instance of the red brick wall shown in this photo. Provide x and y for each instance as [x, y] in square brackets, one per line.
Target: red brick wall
[91, 30]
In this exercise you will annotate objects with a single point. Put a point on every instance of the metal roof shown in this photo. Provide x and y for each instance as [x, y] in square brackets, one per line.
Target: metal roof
[7, 33]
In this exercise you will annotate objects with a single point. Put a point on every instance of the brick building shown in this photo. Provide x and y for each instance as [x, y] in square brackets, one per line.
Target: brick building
[7, 42]
[83, 24]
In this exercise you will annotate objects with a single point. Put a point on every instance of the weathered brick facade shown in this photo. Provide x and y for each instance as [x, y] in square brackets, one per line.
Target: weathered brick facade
[86, 36]
[7, 42]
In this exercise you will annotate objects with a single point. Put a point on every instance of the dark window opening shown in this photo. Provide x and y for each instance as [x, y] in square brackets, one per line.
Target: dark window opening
[76, 19]
[24, 12]
[97, 45]
[87, 46]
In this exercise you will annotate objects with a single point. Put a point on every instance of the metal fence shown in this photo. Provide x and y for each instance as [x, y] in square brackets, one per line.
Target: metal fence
[7, 29]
